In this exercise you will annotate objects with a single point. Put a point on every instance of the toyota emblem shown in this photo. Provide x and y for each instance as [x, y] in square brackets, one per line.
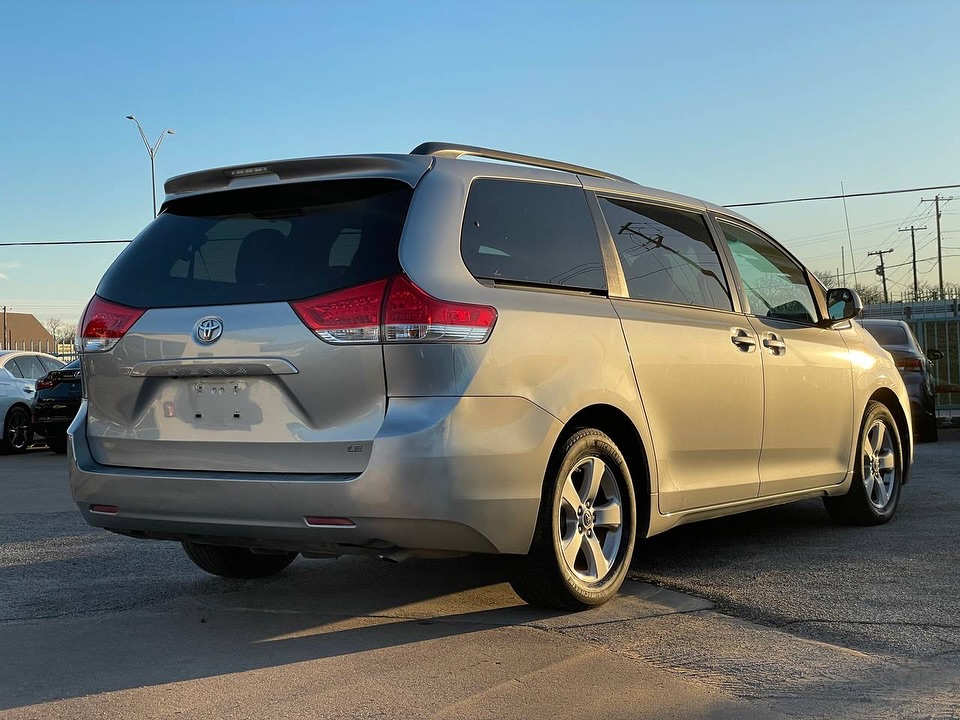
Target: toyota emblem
[208, 330]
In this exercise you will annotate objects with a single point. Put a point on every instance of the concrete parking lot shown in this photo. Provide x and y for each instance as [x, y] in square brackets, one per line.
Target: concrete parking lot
[776, 613]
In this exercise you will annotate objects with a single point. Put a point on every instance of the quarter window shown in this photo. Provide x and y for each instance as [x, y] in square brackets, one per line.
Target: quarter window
[666, 254]
[533, 233]
[776, 287]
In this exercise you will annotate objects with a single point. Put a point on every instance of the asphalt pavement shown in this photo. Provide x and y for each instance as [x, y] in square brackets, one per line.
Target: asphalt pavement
[776, 613]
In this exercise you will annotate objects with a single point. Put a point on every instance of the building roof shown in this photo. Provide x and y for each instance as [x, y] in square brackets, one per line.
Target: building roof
[22, 330]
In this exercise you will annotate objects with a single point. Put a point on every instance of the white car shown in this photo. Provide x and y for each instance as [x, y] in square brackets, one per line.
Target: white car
[19, 372]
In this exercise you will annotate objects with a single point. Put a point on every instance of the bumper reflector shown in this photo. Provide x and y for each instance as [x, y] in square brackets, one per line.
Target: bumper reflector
[313, 521]
[105, 509]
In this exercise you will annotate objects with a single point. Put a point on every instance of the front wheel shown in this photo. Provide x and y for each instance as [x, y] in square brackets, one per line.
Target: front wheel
[237, 562]
[585, 532]
[878, 475]
[17, 434]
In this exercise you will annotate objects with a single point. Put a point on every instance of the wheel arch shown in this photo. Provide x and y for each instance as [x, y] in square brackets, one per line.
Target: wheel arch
[889, 399]
[615, 423]
[23, 406]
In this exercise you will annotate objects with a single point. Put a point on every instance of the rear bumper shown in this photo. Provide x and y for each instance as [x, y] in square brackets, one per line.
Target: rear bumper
[445, 474]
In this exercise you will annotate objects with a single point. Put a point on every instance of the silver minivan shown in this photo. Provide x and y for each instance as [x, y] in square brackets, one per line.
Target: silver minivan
[431, 355]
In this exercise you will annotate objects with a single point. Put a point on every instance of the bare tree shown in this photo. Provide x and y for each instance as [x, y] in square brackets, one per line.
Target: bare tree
[56, 327]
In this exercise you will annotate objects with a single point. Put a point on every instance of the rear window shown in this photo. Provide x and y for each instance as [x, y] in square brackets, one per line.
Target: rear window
[888, 334]
[531, 233]
[278, 243]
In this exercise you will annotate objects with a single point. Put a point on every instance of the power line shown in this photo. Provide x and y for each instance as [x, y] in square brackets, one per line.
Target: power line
[844, 195]
[64, 242]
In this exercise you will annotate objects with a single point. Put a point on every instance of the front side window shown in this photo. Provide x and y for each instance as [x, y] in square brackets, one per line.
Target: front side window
[666, 254]
[776, 287]
[531, 233]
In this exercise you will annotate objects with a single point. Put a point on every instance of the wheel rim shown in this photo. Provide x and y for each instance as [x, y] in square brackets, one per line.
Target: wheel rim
[18, 430]
[590, 522]
[879, 464]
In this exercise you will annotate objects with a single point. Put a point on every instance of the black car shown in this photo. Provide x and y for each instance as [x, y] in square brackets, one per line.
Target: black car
[916, 369]
[56, 403]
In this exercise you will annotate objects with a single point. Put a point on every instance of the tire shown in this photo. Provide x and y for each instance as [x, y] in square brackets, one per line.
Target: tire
[17, 434]
[237, 562]
[878, 474]
[586, 528]
[57, 445]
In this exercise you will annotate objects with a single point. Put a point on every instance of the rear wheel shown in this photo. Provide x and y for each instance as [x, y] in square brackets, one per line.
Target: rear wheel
[237, 562]
[875, 490]
[17, 434]
[584, 537]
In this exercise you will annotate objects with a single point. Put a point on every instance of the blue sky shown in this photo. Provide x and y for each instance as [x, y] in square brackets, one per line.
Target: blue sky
[729, 101]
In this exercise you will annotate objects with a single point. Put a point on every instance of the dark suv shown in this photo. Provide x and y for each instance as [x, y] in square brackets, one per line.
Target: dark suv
[916, 368]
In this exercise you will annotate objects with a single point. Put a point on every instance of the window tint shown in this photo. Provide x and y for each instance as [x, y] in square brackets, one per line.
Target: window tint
[12, 368]
[30, 367]
[531, 233]
[276, 243]
[666, 254]
[774, 284]
[888, 334]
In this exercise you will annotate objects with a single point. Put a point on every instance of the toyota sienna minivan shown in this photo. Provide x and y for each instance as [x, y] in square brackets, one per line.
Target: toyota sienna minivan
[430, 355]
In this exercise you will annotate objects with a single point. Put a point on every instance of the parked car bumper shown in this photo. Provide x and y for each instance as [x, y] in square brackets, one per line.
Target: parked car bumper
[445, 474]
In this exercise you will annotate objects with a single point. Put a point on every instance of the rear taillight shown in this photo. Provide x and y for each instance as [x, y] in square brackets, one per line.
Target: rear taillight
[46, 383]
[104, 323]
[345, 316]
[393, 310]
[910, 364]
[410, 315]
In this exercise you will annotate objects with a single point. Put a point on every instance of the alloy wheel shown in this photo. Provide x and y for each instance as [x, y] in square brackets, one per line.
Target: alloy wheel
[590, 522]
[879, 464]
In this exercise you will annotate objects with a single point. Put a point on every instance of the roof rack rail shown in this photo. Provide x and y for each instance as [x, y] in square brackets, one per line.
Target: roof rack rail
[454, 150]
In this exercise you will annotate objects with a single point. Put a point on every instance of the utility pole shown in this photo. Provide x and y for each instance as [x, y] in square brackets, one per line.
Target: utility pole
[881, 271]
[936, 200]
[913, 241]
[4, 327]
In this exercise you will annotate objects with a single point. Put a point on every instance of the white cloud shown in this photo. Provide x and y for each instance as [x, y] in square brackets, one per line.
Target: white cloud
[3, 277]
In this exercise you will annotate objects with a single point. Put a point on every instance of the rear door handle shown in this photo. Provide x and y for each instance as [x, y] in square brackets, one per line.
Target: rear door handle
[774, 344]
[743, 339]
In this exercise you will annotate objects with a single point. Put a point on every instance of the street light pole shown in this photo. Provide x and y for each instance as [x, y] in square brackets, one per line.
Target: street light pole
[152, 151]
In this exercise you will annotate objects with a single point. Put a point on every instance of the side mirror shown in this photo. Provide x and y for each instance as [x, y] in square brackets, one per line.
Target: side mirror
[843, 304]
[935, 354]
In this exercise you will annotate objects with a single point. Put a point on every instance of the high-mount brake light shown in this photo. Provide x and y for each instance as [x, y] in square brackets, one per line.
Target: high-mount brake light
[104, 323]
[393, 310]
[410, 315]
[345, 316]
[248, 171]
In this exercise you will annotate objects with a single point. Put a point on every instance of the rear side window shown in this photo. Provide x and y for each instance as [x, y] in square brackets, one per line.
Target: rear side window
[29, 366]
[666, 254]
[278, 243]
[50, 364]
[888, 334]
[532, 233]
